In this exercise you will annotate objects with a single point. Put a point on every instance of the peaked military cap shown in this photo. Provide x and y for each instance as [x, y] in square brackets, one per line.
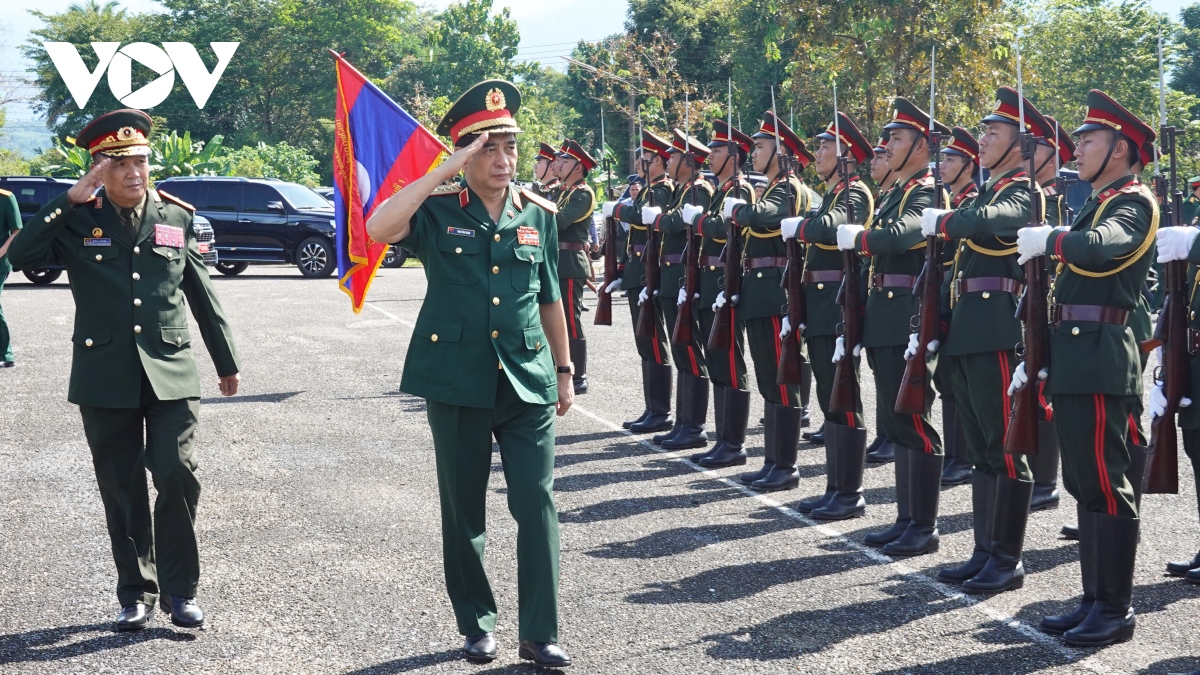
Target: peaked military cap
[721, 136]
[573, 150]
[546, 152]
[655, 144]
[772, 127]
[683, 143]
[1007, 109]
[1105, 113]
[881, 146]
[906, 115]
[1194, 182]
[1057, 138]
[489, 106]
[962, 143]
[120, 133]
[851, 137]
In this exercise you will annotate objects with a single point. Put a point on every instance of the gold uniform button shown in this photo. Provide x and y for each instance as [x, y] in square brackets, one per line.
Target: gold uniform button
[759, 275]
[986, 295]
[712, 268]
[47, 219]
[433, 338]
[495, 270]
[530, 257]
[889, 294]
[495, 333]
[960, 275]
[137, 302]
[136, 276]
[495, 301]
[137, 249]
[178, 341]
[669, 264]
[458, 249]
[137, 329]
[820, 287]
[638, 254]
[1075, 330]
[537, 345]
[1192, 315]
[496, 237]
[58, 212]
[99, 257]
[88, 342]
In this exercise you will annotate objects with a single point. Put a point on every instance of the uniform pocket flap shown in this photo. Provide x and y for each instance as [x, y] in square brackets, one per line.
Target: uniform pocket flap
[535, 339]
[168, 252]
[89, 337]
[1079, 327]
[98, 253]
[176, 336]
[438, 330]
[458, 244]
[529, 254]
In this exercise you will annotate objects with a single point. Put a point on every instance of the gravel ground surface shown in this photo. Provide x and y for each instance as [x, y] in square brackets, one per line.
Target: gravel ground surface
[321, 554]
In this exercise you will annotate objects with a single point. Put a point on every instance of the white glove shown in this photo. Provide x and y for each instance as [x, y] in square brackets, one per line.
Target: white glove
[787, 328]
[727, 207]
[839, 349]
[1019, 377]
[649, 213]
[691, 212]
[913, 344]
[607, 208]
[614, 286]
[929, 221]
[1175, 243]
[789, 226]
[1031, 242]
[682, 298]
[643, 296]
[846, 235]
[1158, 400]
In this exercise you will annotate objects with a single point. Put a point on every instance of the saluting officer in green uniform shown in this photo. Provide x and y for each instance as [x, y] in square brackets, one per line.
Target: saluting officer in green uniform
[132, 259]
[979, 354]
[488, 342]
[728, 151]
[691, 390]
[10, 224]
[763, 302]
[1104, 259]
[576, 202]
[656, 357]
[545, 183]
[844, 434]
[896, 247]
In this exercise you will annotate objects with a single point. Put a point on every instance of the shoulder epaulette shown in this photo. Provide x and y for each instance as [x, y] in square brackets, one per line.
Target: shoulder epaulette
[175, 200]
[926, 181]
[540, 201]
[1134, 188]
[5, 193]
[447, 189]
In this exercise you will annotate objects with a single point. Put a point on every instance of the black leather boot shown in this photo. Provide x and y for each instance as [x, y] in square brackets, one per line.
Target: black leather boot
[925, 488]
[874, 446]
[718, 394]
[783, 476]
[646, 376]
[956, 470]
[1111, 619]
[1045, 469]
[1004, 570]
[816, 437]
[1182, 567]
[768, 446]
[1061, 623]
[730, 449]
[903, 510]
[805, 392]
[579, 380]
[850, 456]
[816, 502]
[694, 413]
[658, 400]
[886, 452]
[983, 503]
[681, 394]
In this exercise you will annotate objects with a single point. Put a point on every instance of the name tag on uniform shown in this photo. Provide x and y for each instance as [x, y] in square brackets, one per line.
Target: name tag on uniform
[528, 236]
[168, 235]
[460, 231]
[97, 241]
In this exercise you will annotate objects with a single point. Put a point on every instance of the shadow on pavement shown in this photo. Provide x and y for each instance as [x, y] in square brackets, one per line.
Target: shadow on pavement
[634, 506]
[1045, 559]
[742, 581]
[571, 439]
[43, 645]
[410, 663]
[587, 481]
[257, 398]
[614, 450]
[1028, 658]
[1177, 665]
[686, 539]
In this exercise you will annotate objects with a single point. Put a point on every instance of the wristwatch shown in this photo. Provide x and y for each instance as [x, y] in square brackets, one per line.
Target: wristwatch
[568, 369]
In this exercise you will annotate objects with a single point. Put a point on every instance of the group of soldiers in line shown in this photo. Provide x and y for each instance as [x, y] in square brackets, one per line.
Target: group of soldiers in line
[1091, 397]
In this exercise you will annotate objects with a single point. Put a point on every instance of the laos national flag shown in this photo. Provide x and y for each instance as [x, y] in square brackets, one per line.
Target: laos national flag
[378, 149]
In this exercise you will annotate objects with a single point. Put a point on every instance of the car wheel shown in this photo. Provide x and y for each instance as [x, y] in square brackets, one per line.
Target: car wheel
[394, 257]
[232, 269]
[314, 257]
[42, 277]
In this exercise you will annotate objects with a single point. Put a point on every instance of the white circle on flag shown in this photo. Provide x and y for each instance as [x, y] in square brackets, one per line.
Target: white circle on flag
[364, 181]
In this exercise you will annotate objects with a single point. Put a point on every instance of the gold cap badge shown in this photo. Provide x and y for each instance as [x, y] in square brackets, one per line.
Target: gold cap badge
[495, 100]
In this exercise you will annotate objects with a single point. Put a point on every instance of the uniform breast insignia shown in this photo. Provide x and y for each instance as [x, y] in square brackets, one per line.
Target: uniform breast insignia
[97, 241]
[528, 236]
[97, 232]
[460, 231]
[168, 235]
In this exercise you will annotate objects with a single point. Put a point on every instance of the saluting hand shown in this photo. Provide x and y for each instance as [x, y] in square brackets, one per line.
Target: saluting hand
[459, 159]
[93, 180]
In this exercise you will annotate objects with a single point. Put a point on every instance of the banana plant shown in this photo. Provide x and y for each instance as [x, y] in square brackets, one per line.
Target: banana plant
[69, 161]
[175, 155]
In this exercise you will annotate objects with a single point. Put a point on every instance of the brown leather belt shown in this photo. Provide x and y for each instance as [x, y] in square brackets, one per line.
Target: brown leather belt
[712, 261]
[672, 258]
[1099, 313]
[997, 284]
[769, 261]
[571, 246]
[824, 276]
[893, 281]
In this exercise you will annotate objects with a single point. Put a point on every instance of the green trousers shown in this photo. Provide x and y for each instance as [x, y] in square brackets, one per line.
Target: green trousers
[571, 291]
[980, 385]
[462, 444]
[1191, 446]
[726, 368]
[688, 357]
[1093, 430]
[656, 350]
[125, 442]
[911, 431]
[765, 347]
[6, 352]
[820, 353]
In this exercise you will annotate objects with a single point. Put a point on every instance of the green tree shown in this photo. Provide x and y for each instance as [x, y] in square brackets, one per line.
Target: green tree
[280, 161]
[175, 155]
[11, 162]
[469, 43]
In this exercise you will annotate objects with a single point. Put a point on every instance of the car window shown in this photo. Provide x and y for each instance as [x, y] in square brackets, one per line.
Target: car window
[255, 198]
[222, 196]
[301, 197]
[30, 198]
[187, 191]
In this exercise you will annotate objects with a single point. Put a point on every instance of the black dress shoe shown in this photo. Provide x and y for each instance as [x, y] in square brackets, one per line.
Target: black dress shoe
[1070, 532]
[480, 647]
[134, 617]
[7, 364]
[545, 654]
[184, 612]
[1182, 567]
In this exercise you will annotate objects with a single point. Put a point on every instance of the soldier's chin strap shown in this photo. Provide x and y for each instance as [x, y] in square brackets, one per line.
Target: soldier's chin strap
[728, 153]
[1016, 139]
[1116, 136]
[911, 146]
[958, 175]
[835, 167]
[1043, 164]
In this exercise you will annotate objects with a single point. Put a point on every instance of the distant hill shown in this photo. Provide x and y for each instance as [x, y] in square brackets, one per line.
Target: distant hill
[27, 136]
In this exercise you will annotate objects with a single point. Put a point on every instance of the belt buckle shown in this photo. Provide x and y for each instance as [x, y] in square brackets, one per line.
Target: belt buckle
[1056, 315]
[1193, 335]
[957, 289]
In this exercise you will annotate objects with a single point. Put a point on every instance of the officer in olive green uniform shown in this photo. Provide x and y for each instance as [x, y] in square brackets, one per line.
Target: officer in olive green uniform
[656, 358]
[1191, 206]
[881, 450]
[132, 372]
[10, 224]
[896, 247]
[483, 354]
[545, 183]
[763, 302]
[576, 202]
[691, 391]
[979, 354]
[729, 149]
[845, 436]
[1103, 261]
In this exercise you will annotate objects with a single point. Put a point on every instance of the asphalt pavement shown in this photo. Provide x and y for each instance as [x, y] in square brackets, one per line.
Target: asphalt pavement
[320, 548]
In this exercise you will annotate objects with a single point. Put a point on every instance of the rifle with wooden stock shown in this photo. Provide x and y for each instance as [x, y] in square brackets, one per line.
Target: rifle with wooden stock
[646, 320]
[685, 319]
[721, 336]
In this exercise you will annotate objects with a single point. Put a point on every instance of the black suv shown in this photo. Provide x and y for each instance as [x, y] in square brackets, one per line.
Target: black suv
[262, 220]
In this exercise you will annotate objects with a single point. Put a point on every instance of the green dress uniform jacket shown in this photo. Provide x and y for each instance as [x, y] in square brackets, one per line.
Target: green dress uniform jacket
[10, 223]
[819, 234]
[714, 228]
[480, 317]
[129, 299]
[675, 234]
[1056, 206]
[1191, 210]
[762, 295]
[1189, 417]
[635, 244]
[575, 207]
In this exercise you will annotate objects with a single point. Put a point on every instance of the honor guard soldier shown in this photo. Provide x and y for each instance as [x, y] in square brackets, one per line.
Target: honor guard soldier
[762, 302]
[844, 434]
[687, 156]
[1191, 206]
[10, 224]
[896, 247]
[1103, 261]
[576, 202]
[545, 183]
[979, 354]
[488, 343]
[728, 151]
[960, 166]
[656, 358]
[132, 259]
